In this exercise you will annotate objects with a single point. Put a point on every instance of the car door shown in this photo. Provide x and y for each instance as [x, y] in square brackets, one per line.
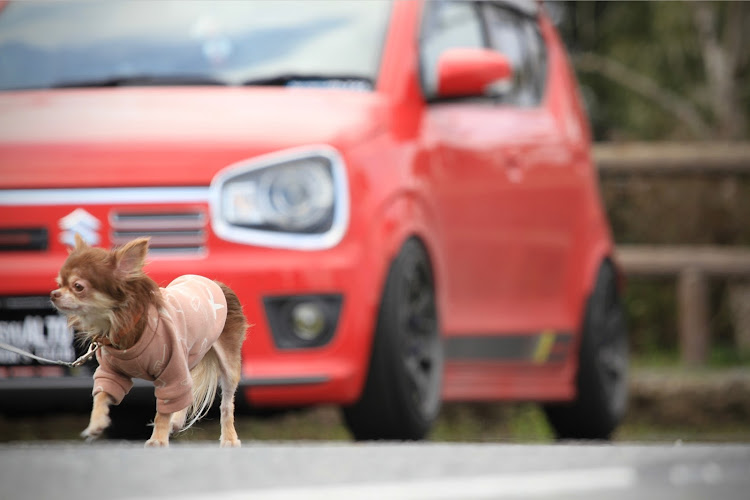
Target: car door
[509, 201]
[472, 145]
[547, 198]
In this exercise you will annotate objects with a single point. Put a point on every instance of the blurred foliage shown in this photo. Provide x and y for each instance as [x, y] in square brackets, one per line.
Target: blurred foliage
[667, 71]
[459, 422]
[689, 209]
[651, 306]
[661, 70]
[652, 320]
[481, 422]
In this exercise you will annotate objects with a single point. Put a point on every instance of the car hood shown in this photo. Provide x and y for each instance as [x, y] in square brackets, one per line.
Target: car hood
[167, 136]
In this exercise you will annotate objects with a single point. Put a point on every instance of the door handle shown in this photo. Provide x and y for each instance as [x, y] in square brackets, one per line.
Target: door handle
[513, 166]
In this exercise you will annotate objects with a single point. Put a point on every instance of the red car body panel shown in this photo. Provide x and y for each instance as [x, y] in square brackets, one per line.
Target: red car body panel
[515, 239]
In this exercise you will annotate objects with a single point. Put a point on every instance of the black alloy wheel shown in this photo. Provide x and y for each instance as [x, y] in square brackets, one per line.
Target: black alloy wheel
[402, 394]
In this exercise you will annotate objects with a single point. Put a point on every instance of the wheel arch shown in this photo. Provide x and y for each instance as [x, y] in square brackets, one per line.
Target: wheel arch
[596, 409]
[601, 253]
[401, 218]
[401, 362]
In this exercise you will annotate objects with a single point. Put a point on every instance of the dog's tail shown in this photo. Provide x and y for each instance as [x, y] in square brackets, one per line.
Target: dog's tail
[205, 382]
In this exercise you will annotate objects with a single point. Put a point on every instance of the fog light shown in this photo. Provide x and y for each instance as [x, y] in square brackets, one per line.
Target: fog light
[308, 320]
[302, 321]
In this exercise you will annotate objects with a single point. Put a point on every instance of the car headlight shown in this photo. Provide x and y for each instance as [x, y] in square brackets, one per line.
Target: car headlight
[297, 196]
[293, 199]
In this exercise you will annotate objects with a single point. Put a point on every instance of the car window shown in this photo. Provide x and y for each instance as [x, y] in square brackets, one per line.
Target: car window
[446, 25]
[537, 59]
[517, 37]
[48, 44]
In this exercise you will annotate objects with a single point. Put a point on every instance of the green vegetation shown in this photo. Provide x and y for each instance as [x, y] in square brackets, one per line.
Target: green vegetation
[481, 423]
[662, 70]
[668, 71]
[678, 210]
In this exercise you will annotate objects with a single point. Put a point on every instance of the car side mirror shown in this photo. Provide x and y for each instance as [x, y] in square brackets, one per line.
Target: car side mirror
[467, 72]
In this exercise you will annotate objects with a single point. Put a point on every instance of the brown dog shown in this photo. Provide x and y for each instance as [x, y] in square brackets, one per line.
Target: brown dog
[186, 338]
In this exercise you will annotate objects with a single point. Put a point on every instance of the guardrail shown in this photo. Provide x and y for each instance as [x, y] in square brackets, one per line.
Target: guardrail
[692, 266]
[672, 158]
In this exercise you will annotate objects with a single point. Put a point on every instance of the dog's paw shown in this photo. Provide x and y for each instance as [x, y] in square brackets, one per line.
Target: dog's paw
[95, 429]
[157, 443]
[230, 443]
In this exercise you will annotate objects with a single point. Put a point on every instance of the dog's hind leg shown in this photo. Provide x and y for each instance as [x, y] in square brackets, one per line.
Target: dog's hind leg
[228, 350]
[229, 378]
[178, 420]
[229, 438]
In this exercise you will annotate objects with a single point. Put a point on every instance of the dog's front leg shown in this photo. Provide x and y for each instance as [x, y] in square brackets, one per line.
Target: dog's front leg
[162, 427]
[99, 417]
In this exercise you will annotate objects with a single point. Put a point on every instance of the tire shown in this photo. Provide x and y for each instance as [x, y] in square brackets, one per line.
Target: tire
[130, 422]
[601, 381]
[402, 394]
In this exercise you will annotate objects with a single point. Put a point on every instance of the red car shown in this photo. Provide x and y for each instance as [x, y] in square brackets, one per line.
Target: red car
[401, 193]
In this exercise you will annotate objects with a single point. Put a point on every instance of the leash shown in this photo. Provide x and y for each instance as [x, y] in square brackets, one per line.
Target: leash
[93, 347]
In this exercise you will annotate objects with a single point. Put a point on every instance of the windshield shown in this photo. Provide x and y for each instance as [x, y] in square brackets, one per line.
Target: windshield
[183, 42]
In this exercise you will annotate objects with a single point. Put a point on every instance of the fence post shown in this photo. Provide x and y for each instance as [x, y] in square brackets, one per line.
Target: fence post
[692, 293]
[739, 302]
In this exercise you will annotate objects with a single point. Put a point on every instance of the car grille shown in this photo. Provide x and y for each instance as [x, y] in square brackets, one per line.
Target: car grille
[170, 232]
[24, 240]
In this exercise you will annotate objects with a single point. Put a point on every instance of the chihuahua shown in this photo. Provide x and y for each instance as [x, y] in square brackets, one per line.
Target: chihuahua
[186, 338]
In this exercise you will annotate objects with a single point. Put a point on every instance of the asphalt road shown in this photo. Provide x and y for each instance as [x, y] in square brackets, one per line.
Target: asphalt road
[393, 471]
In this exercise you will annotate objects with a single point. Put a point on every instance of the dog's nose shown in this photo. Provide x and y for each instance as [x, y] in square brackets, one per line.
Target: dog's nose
[55, 294]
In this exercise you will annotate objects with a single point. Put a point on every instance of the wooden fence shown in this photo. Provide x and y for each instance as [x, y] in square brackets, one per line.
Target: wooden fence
[691, 266]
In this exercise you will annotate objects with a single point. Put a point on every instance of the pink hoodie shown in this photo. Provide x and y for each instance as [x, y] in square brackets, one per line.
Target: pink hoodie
[175, 340]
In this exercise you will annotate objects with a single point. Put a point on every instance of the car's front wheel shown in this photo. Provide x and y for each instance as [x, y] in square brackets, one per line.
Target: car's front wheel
[402, 395]
[601, 382]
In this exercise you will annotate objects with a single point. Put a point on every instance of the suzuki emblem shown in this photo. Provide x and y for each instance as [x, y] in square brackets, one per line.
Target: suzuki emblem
[80, 222]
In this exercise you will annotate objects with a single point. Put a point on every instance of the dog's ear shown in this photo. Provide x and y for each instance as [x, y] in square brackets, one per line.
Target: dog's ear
[130, 258]
[80, 244]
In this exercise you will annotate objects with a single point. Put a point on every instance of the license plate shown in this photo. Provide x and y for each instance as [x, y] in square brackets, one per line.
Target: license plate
[33, 325]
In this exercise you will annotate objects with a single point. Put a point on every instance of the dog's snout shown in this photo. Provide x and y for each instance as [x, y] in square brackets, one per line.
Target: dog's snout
[55, 294]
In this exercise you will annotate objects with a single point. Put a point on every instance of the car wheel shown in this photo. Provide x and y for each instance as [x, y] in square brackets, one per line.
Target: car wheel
[402, 394]
[130, 422]
[601, 382]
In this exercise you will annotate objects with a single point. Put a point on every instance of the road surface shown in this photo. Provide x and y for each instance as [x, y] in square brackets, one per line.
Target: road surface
[393, 471]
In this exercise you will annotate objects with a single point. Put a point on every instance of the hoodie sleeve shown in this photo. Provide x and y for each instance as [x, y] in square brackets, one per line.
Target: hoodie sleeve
[174, 386]
[110, 381]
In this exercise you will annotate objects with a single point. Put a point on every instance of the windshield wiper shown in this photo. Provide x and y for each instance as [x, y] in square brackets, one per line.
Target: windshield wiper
[313, 80]
[140, 80]
[353, 82]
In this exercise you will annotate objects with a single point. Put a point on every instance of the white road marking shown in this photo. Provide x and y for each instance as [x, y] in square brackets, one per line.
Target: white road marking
[528, 485]
[689, 474]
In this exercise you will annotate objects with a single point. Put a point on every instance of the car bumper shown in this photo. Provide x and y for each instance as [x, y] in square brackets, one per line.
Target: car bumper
[271, 376]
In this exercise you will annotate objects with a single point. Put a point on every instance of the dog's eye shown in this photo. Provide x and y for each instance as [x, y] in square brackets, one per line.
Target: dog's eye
[77, 287]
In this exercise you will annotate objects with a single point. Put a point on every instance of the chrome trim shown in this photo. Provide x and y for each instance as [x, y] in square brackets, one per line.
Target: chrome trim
[103, 196]
[283, 381]
[296, 241]
[178, 230]
[75, 382]
[21, 385]
[165, 240]
[186, 220]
